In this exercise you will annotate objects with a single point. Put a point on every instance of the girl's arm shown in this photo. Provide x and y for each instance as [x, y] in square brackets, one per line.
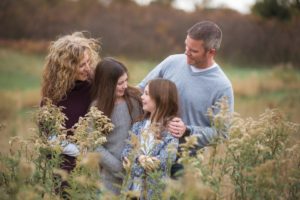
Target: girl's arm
[136, 169]
[110, 162]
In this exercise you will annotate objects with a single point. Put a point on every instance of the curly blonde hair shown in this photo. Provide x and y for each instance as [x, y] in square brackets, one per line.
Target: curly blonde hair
[65, 55]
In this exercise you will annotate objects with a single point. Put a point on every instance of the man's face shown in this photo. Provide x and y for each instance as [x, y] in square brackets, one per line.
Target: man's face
[196, 53]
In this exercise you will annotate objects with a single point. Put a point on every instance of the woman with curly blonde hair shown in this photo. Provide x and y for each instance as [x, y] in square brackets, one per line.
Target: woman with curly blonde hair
[67, 82]
[67, 74]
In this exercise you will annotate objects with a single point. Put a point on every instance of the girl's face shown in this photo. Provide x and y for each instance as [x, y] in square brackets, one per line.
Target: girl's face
[83, 71]
[121, 86]
[148, 102]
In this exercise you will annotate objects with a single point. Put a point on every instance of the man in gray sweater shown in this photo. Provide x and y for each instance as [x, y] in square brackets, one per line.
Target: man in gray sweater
[200, 82]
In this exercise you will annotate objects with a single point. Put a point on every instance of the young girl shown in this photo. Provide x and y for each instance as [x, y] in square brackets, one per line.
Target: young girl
[160, 104]
[121, 103]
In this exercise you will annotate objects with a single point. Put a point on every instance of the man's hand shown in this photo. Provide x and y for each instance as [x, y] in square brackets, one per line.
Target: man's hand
[176, 127]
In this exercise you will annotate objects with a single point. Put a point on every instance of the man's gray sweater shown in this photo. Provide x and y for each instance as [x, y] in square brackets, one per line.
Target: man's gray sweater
[197, 91]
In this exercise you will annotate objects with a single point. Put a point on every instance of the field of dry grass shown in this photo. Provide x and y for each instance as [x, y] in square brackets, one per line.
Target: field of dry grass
[255, 89]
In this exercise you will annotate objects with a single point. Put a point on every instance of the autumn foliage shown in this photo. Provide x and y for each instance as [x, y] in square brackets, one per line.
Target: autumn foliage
[150, 32]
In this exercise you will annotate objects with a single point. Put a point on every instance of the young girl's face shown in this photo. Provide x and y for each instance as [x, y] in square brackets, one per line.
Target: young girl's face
[148, 102]
[121, 86]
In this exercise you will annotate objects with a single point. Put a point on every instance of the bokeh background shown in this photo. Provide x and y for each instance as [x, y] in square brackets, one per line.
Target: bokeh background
[260, 51]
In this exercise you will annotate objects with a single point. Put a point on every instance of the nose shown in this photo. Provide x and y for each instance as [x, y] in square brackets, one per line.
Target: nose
[87, 66]
[124, 86]
[87, 69]
[187, 51]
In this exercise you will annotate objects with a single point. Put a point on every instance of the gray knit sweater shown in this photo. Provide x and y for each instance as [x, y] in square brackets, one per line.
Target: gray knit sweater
[110, 161]
[198, 91]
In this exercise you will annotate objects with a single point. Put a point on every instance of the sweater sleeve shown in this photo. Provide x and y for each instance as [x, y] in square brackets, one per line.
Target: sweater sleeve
[165, 157]
[128, 147]
[68, 148]
[109, 161]
[136, 169]
[157, 72]
[206, 134]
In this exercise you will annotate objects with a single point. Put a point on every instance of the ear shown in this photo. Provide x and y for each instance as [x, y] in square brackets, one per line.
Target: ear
[212, 52]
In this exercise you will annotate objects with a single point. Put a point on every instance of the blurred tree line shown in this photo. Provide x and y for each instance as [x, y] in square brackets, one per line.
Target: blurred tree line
[280, 9]
[153, 31]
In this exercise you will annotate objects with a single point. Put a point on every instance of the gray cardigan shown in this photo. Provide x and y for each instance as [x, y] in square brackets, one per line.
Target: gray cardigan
[110, 161]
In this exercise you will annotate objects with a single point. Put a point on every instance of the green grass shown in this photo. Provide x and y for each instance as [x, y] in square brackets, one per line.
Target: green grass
[240, 73]
[19, 71]
[234, 71]
[17, 80]
[138, 69]
[22, 71]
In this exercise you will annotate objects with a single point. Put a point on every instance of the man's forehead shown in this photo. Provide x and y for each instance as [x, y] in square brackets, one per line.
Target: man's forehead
[193, 42]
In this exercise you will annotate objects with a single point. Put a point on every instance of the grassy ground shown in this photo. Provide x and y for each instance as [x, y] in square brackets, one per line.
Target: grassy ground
[255, 89]
[19, 71]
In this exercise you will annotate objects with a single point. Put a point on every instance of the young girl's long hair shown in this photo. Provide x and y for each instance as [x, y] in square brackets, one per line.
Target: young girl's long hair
[106, 77]
[164, 93]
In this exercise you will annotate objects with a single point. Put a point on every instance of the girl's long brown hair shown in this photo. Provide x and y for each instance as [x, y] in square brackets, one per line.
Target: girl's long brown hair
[164, 93]
[106, 77]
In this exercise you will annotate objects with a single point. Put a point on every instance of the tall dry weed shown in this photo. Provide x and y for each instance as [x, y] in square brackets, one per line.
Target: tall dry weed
[259, 160]
[28, 169]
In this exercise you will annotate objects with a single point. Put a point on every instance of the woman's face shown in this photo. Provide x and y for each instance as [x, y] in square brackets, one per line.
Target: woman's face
[83, 70]
[121, 86]
[148, 102]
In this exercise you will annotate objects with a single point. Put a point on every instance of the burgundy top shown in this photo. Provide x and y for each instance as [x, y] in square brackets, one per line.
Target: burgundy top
[76, 103]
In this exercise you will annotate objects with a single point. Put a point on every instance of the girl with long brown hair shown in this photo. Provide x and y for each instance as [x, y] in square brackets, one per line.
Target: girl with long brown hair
[120, 102]
[160, 104]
